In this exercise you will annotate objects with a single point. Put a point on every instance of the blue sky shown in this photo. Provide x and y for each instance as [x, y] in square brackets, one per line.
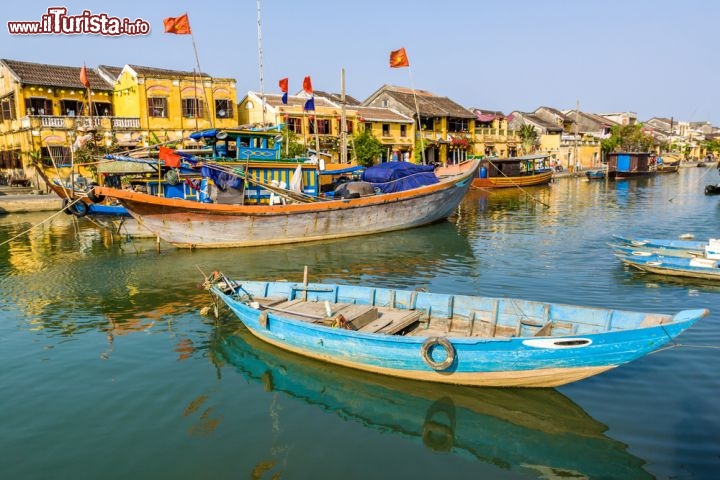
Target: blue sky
[655, 58]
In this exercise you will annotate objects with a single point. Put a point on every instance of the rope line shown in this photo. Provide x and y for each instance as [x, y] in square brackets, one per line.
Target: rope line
[517, 186]
[42, 222]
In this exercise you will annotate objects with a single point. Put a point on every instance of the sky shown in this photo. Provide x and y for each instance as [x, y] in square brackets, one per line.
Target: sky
[656, 58]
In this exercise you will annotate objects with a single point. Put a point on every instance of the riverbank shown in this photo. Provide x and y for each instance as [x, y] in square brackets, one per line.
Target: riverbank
[24, 200]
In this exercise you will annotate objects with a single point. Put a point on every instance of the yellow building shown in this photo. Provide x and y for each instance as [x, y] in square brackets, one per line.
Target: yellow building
[320, 129]
[493, 137]
[549, 133]
[168, 105]
[445, 129]
[44, 108]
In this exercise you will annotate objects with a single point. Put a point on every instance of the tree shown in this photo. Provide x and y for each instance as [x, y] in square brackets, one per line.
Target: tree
[529, 137]
[713, 146]
[294, 148]
[628, 138]
[367, 148]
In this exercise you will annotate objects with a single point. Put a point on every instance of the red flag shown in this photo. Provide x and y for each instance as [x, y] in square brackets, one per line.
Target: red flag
[284, 89]
[177, 25]
[83, 77]
[398, 58]
[169, 157]
[307, 85]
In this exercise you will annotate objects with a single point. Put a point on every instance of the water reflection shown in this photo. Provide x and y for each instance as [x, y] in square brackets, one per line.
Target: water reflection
[533, 431]
[67, 278]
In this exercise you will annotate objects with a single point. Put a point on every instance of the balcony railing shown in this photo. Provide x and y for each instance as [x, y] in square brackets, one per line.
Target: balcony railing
[65, 122]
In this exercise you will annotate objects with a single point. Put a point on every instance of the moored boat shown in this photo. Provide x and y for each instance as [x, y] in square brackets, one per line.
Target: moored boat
[647, 251]
[191, 224]
[696, 247]
[525, 171]
[703, 268]
[595, 174]
[667, 166]
[445, 338]
[712, 189]
[622, 165]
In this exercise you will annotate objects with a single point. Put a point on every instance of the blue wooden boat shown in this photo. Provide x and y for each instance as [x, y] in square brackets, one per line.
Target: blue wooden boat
[703, 268]
[445, 338]
[528, 431]
[595, 174]
[695, 246]
[642, 251]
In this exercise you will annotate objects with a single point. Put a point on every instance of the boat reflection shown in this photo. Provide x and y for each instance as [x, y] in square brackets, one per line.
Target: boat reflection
[69, 279]
[530, 431]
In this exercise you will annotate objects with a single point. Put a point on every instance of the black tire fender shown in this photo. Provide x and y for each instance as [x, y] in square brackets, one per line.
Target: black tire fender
[65, 208]
[429, 344]
[91, 194]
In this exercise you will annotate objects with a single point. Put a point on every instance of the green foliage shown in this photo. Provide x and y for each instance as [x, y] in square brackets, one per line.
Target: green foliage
[530, 138]
[713, 146]
[628, 138]
[418, 150]
[294, 148]
[94, 149]
[368, 148]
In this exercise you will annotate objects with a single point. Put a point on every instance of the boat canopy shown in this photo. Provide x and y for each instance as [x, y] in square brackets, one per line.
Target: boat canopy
[392, 177]
[208, 133]
[340, 171]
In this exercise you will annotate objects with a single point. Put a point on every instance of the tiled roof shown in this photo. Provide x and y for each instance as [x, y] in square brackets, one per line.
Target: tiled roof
[275, 100]
[54, 75]
[533, 118]
[428, 104]
[110, 71]
[164, 73]
[556, 112]
[335, 97]
[379, 114]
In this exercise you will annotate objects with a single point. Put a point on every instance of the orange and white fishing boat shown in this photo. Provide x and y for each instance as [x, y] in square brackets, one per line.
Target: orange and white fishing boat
[192, 224]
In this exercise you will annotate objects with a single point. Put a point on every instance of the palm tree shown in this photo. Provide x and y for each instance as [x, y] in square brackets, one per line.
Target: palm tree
[529, 137]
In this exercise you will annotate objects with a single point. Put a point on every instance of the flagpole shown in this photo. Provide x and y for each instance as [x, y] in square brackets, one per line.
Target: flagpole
[196, 104]
[197, 60]
[305, 131]
[417, 110]
[260, 61]
[343, 119]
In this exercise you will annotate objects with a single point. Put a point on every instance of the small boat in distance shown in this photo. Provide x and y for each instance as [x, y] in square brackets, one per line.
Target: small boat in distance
[712, 189]
[622, 165]
[595, 174]
[703, 268]
[445, 338]
[525, 171]
[695, 247]
[667, 165]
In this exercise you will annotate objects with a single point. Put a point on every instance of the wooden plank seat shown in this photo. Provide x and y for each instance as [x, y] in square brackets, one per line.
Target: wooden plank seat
[392, 321]
[355, 316]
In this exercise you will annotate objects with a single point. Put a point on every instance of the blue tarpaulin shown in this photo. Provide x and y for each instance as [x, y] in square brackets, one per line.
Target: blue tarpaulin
[392, 177]
[222, 180]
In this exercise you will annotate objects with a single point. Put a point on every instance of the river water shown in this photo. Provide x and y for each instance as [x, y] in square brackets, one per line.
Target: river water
[109, 370]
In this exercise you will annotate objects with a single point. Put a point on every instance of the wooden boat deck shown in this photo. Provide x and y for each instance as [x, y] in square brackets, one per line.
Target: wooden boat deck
[395, 321]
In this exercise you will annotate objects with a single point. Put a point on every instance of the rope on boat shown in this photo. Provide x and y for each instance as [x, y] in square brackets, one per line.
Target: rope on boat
[518, 186]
